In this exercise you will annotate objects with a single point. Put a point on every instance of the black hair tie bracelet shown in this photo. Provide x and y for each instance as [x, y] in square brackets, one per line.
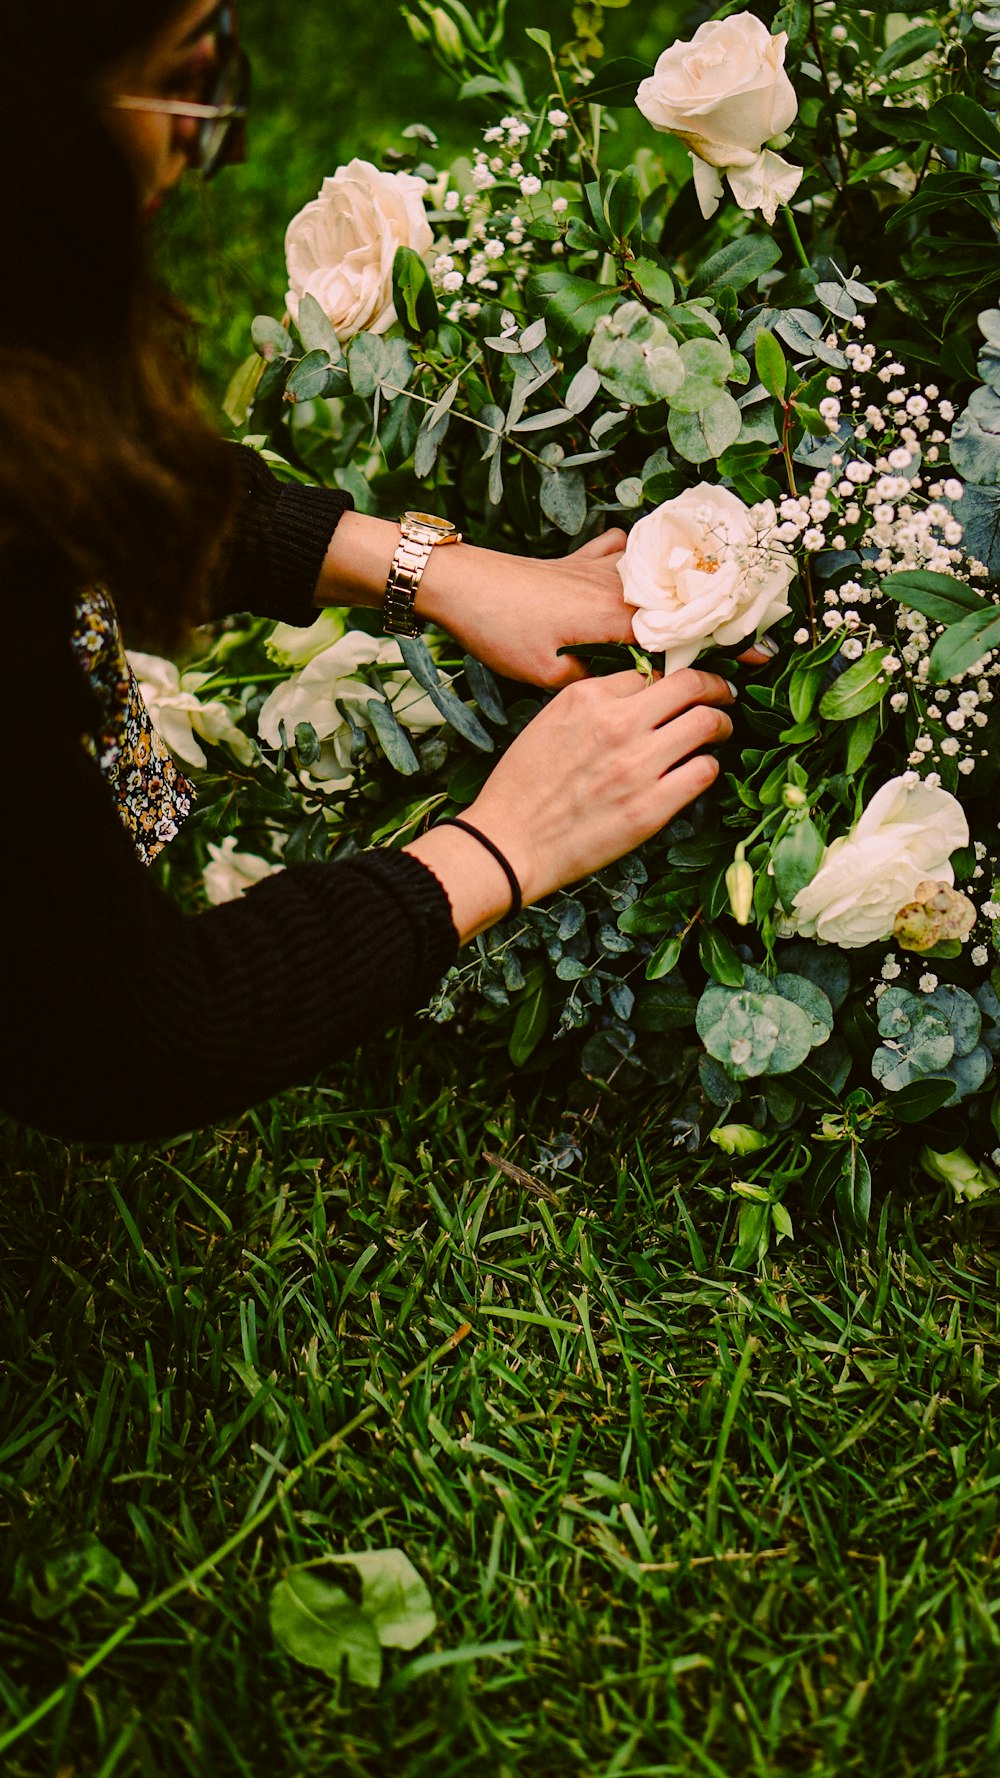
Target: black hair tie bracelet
[516, 903]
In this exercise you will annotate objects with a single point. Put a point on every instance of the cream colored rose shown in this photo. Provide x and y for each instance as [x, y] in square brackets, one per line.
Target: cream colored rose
[907, 833]
[332, 678]
[725, 94]
[229, 872]
[703, 569]
[178, 714]
[340, 248]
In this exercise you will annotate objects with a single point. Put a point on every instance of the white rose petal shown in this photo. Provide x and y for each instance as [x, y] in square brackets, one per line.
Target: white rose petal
[766, 183]
[340, 248]
[330, 678]
[700, 574]
[906, 834]
[178, 714]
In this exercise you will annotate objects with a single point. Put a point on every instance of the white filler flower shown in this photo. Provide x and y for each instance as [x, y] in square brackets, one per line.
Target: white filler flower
[340, 248]
[907, 833]
[229, 873]
[704, 569]
[725, 94]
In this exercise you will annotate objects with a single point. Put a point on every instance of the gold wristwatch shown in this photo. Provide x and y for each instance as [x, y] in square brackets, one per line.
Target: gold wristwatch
[422, 531]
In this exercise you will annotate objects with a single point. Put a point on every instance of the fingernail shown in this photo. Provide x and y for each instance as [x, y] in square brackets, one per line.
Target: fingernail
[732, 688]
[769, 646]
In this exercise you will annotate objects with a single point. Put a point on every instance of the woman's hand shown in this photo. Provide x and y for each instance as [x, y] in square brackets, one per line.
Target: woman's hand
[514, 613]
[604, 766]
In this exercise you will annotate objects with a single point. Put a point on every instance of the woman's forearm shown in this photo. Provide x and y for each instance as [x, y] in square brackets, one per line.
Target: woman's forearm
[359, 557]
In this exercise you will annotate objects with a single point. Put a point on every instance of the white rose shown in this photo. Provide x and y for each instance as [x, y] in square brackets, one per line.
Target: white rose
[177, 714]
[230, 873]
[908, 832]
[725, 94]
[701, 572]
[331, 677]
[340, 248]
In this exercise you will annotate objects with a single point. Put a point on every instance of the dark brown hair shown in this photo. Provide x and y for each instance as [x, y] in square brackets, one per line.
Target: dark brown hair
[106, 463]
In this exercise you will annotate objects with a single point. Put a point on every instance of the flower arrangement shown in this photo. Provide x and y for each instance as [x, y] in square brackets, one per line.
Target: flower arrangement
[539, 340]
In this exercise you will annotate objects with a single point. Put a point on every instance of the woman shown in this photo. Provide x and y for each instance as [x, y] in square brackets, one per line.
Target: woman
[128, 1018]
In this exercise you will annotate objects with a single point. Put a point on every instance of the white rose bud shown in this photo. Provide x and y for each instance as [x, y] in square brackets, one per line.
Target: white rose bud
[725, 94]
[906, 834]
[340, 248]
[700, 574]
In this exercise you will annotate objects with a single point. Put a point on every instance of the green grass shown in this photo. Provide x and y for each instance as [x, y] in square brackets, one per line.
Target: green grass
[674, 1519]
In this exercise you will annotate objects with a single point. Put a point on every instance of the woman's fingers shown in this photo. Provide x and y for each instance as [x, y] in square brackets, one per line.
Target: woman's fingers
[704, 726]
[668, 697]
[610, 543]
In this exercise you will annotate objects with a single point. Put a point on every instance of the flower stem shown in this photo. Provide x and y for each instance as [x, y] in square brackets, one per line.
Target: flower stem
[796, 237]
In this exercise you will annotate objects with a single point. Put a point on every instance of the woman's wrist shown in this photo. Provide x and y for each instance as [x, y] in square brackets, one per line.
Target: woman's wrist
[357, 566]
[475, 883]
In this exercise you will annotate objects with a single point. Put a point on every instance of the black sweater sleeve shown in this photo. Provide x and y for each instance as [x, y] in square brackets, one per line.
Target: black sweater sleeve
[127, 1018]
[278, 539]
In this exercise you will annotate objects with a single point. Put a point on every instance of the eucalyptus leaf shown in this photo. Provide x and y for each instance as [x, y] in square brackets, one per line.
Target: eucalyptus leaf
[484, 689]
[316, 332]
[697, 437]
[392, 738]
[270, 338]
[564, 499]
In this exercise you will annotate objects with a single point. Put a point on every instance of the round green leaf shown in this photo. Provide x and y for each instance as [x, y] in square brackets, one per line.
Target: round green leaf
[320, 1626]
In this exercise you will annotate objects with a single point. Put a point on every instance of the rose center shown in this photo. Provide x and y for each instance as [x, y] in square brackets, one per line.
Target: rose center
[698, 65]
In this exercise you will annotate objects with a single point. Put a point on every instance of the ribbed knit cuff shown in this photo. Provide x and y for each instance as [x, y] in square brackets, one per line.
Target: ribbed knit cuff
[281, 533]
[422, 899]
[298, 537]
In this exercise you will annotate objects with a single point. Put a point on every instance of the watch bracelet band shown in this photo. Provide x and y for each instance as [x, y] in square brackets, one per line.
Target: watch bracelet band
[405, 574]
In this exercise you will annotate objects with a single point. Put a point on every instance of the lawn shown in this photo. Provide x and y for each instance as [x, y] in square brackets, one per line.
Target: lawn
[673, 1518]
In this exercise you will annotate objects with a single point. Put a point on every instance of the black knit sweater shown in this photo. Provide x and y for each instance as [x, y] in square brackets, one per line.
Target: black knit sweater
[127, 1018]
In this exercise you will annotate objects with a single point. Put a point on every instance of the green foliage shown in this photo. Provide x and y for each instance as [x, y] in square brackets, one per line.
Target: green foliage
[931, 1037]
[608, 354]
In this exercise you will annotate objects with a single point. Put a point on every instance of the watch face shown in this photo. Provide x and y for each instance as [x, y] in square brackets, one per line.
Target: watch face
[429, 519]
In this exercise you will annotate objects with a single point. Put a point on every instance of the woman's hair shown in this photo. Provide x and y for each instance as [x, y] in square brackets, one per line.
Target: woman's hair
[107, 469]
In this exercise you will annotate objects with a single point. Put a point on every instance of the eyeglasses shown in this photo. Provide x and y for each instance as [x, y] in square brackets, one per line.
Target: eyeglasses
[221, 140]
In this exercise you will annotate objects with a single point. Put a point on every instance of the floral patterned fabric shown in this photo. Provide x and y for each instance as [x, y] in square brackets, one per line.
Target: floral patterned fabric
[151, 794]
